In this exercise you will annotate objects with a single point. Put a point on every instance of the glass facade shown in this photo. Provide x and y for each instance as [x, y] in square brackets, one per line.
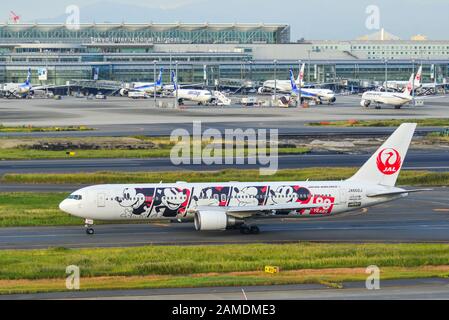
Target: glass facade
[146, 33]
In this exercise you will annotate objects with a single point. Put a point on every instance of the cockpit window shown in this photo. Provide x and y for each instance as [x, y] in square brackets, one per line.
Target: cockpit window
[75, 197]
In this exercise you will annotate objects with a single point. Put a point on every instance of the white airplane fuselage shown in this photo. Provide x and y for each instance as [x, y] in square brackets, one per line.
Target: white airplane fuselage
[182, 200]
[199, 96]
[390, 98]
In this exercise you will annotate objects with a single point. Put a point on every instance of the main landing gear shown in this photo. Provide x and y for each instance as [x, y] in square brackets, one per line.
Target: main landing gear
[245, 229]
[88, 225]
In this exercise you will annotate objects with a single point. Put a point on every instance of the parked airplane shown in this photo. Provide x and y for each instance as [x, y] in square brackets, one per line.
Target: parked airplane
[145, 87]
[199, 96]
[220, 206]
[396, 99]
[18, 90]
[401, 85]
[282, 86]
[317, 95]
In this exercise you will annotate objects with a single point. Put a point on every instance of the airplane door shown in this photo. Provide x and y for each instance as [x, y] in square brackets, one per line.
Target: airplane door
[343, 195]
[101, 199]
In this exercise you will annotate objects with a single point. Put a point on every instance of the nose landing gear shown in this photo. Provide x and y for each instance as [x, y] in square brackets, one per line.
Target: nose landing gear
[88, 225]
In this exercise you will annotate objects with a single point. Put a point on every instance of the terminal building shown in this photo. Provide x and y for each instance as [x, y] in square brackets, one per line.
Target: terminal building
[231, 53]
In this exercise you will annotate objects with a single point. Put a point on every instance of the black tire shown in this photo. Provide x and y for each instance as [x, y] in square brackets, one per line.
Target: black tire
[90, 231]
[245, 230]
[254, 230]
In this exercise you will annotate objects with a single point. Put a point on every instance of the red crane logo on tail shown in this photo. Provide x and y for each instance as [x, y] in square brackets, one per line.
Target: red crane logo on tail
[389, 161]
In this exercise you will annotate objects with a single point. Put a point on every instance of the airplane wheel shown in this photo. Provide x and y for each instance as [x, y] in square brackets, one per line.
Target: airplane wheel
[245, 230]
[254, 230]
[397, 107]
[90, 231]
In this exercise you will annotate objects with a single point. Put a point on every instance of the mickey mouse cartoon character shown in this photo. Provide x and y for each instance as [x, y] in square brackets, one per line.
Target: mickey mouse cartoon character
[133, 200]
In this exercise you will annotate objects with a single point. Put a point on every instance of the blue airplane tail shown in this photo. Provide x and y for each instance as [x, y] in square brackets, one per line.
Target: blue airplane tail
[173, 80]
[28, 80]
[292, 81]
[159, 79]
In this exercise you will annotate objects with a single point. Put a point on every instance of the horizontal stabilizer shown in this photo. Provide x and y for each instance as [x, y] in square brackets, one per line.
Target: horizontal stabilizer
[394, 193]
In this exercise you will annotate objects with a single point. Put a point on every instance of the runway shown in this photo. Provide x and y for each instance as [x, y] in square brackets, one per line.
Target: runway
[434, 160]
[421, 217]
[432, 288]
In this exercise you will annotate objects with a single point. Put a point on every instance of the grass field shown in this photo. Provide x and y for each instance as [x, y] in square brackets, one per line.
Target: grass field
[409, 177]
[33, 209]
[442, 122]
[224, 265]
[30, 128]
[32, 154]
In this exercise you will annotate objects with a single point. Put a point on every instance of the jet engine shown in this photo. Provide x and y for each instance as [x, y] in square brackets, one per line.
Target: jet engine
[365, 103]
[215, 220]
[123, 92]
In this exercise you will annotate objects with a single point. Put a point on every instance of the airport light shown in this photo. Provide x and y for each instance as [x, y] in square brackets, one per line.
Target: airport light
[413, 82]
[155, 81]
[275, 62]
[300, 82]
[176, 79]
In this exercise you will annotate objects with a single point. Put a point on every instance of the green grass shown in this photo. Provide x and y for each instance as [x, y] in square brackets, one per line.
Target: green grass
[11, 129]
[437, 122]
[409, 177]
[33, 209]
[182, 260]
[31, 154]
[162, 152]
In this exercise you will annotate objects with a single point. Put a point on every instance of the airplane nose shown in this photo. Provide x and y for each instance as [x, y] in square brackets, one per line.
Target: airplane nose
[64, 206]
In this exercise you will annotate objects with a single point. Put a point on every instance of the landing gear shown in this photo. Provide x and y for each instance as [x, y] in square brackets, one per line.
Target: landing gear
[244, 229]
[88, 225]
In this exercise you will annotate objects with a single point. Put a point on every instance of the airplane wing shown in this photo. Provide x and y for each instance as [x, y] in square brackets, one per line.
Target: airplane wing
[394, 193]
[248, 211]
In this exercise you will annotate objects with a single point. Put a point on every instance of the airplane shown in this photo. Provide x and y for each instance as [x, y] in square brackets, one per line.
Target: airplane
[145, 87]
[231, 205]
[199, 96]
[282, 86]
[396, 99]
[401, 85]
[18, 90]
[317, 95]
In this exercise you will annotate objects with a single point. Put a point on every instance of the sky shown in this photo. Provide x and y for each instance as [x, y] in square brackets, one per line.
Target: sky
[311, 19]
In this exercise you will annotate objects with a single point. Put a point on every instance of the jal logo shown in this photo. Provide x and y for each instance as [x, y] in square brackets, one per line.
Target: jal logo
[389, 161]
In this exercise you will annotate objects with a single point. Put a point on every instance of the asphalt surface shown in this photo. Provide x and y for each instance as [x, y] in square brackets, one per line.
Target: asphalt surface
[422, 217]
[437, 160]
[432, 288]
[285, 128]
[122, 116]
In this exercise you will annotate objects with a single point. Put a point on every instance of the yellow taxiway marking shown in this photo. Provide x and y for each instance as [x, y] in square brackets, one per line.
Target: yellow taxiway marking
[160, 224]
[441, 210]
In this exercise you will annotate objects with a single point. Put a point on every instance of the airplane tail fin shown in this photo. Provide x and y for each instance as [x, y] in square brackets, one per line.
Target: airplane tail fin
[418, 78]
[159, 79]
[409, 88]
[173, 80]
[385, 164]
[301, 74]
[292, 81]
[28, 80]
